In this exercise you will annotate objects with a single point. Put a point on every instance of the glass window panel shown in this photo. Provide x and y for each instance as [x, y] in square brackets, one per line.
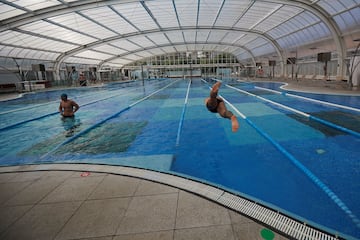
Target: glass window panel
[230, 12]
[137, 15]
[107, 17]
[164, 12]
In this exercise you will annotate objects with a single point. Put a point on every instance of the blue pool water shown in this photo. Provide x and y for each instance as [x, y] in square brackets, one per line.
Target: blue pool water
[284, 160]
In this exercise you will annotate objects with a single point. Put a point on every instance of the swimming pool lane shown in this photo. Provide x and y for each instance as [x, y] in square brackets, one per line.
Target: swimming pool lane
[219, 157]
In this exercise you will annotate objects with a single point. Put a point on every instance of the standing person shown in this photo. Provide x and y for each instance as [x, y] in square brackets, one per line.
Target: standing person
[216, 104]
[67, 106]
[74, 76]
[67, 110]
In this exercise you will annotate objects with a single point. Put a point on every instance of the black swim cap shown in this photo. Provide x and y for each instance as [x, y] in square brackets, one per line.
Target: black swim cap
[63, 95]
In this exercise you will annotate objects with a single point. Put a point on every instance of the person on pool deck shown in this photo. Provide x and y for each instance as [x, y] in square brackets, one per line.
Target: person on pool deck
[67, 106]
[216, 104]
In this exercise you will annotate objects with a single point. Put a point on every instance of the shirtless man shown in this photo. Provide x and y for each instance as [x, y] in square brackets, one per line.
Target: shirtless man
[67, 106]
[216, 104]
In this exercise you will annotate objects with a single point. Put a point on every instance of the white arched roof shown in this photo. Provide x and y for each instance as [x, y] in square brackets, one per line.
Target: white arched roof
[119, 32]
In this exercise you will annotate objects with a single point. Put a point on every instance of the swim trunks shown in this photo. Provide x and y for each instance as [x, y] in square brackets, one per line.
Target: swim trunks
[212, 108]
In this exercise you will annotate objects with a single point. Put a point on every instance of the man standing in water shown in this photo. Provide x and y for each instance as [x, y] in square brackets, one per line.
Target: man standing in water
[67, 106]
[216, 104]
[67, 110]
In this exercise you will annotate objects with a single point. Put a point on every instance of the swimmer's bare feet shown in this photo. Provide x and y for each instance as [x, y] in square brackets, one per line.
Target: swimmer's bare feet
[234, 123]
[216, 86]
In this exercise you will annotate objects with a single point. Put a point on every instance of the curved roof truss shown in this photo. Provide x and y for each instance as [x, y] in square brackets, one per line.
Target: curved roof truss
[99, 31]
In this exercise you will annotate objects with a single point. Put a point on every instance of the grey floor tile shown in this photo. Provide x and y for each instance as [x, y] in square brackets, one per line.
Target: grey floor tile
[7, 177]
[194, 211]
[28, 176]
[222, 232]
[41, 222]
[149, 214]
[152, 188]
[10, 214]
[58, 174]
[9, 190]
[73, 189]
[115, 186]
[95, 218]
[238, 218]
[245, 231]
[34, 192]
[162, 235]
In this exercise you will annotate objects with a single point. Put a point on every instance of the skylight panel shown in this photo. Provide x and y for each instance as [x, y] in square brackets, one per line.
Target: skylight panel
[158, 38]
[63, 34]
[136, 15]
[118, 61]
[257, 13]
[233, 37]
[164, 12]
[187, 12]
[202, 35]
[346, 22]
[189, 36]
[78, 60]
[107, 48]
[175, 37]
[94, 55]
[142, 41]
[34, 5]
[263, 50]
[82, 25]
[156, 51]
[282, 15]
[28, 41]
[230, 12]
[5, 51]
[132, 57]
[7, 11]
[107, 17]
[255, 43]
[208, 12]
[125, 44]
[181, 48]
[216, 36]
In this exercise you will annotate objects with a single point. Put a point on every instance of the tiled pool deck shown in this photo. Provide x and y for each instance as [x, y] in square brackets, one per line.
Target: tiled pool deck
[69, 201]
[59, 204]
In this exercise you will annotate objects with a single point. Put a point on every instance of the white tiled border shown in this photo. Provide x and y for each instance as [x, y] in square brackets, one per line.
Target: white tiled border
[275, 220]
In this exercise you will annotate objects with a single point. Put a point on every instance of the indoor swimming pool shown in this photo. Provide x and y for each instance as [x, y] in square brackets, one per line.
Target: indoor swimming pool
[297, 153]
